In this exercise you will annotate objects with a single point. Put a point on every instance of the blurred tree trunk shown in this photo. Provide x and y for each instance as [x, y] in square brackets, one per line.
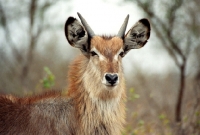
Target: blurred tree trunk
[32, 43]
[181, 92]
[26, 17]
[34, 32]
[178, 35]
[178, 31]
[164, 31]
[4, 24]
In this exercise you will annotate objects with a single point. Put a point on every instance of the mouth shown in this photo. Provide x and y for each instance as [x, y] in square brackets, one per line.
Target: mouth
[111, 85]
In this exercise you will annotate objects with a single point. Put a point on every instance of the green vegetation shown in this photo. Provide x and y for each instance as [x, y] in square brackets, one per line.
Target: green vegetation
[49, 80]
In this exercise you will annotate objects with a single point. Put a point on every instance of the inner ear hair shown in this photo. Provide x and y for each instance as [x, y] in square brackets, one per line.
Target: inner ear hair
[76, 34]
[146, 23]
[137, 36]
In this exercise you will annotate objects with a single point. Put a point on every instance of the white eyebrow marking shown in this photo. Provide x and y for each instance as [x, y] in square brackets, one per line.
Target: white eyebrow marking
[101, 57]
[117, 54]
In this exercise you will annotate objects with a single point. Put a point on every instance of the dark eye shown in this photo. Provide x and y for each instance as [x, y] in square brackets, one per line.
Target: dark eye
[93, 53]
[121, 54]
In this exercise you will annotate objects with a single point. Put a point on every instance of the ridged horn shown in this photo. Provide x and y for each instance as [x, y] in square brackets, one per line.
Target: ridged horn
[85, 24]
[123, 28]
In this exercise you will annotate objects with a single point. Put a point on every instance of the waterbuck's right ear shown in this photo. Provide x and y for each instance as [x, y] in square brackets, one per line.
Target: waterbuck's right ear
[76, 35]
[137, 36]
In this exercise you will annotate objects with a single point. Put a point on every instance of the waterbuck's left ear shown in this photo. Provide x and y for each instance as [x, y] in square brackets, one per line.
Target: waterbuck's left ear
[137, 36]
[76, 34]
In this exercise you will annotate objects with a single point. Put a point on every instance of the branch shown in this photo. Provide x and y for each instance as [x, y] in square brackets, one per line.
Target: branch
[169, 50]
[3, 22]
[173, 47]
[32, 10]
[150, 14]
[171, 21]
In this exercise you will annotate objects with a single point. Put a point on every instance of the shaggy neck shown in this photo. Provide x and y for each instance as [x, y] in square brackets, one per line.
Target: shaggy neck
[95, 114]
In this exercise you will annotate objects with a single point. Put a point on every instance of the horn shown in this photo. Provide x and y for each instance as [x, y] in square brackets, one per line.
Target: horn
[85, 24]
[123, 28]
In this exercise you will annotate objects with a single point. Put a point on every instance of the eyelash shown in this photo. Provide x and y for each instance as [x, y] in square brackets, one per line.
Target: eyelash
[121, 54]
[93, 53]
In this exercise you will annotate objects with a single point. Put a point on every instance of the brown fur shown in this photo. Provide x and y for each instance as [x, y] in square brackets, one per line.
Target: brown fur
[102, 110]
[94, 102]
[88, 108]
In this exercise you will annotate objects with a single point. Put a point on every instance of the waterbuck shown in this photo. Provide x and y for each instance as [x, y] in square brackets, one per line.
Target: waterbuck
[94, 103]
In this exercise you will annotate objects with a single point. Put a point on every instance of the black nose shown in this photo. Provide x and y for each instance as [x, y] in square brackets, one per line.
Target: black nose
[111, 78]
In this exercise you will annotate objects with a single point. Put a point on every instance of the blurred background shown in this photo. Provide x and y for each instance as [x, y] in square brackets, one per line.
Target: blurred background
[163, 78]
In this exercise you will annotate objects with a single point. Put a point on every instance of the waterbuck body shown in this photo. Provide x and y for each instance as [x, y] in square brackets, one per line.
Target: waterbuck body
[94, 103]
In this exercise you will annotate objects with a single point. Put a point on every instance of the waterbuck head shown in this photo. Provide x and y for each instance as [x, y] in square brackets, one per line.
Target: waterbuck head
[104, 54]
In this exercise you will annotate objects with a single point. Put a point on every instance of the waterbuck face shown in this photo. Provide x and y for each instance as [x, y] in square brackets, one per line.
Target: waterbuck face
[105, 57]
[105, 53]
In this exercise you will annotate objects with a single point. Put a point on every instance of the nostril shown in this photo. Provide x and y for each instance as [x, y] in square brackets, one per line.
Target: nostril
[115, 78]
[111, 78]
[108, 77]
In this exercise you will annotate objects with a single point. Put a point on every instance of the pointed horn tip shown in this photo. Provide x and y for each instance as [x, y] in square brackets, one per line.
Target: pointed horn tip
[127, 17]
[123, 27]
[79, 15]
[85, 24]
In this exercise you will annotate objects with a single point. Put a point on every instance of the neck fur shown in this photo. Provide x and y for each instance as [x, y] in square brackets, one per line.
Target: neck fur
[97, 111]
